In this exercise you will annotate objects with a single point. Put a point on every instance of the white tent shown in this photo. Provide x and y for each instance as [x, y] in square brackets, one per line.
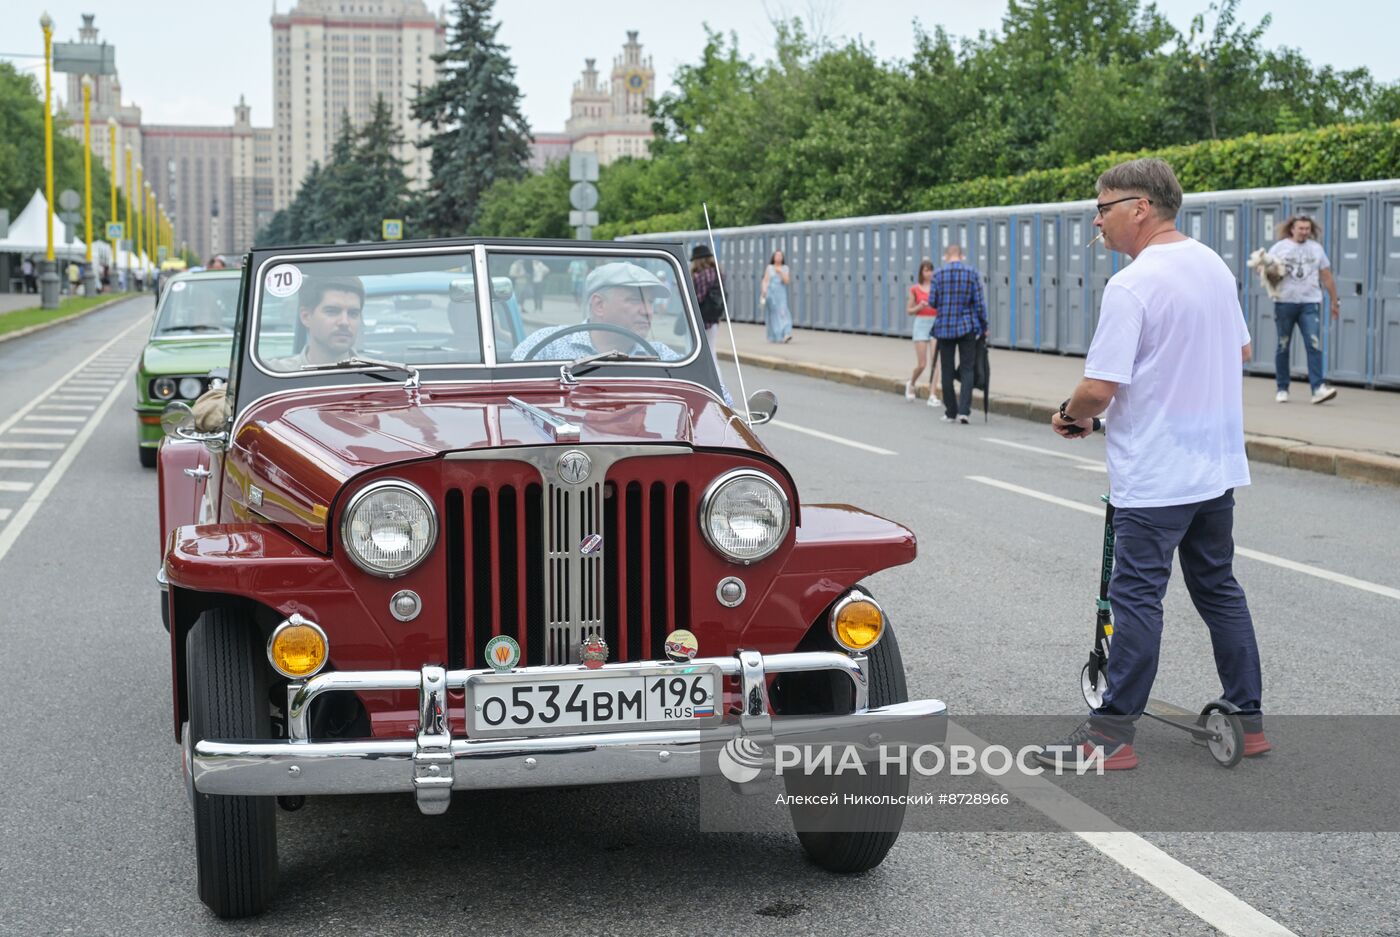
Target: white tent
[27, 233]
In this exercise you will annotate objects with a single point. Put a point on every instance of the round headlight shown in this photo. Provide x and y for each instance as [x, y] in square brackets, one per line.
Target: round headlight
[191, 387]
[744, 515]
[389, 527]
[163, 388]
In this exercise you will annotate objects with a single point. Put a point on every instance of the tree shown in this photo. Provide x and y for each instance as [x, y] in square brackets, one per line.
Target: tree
[536, 206]
[479, 134]
[382, 186]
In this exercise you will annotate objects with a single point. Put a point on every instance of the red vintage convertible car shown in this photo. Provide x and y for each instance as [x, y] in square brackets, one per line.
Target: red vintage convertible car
[430, 541]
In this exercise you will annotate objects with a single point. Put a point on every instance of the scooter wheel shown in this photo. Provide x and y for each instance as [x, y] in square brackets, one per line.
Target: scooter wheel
[1228, 746]
[1093, 691]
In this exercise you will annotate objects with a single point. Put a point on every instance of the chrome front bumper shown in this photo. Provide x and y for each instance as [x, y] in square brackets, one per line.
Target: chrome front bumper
[433, 764]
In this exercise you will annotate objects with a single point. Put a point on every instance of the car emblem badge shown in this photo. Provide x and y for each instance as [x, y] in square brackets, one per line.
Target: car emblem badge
[593, 652]
[681, 646]
[574, 466]
[590, 544]
[502, 653]
[255, 496]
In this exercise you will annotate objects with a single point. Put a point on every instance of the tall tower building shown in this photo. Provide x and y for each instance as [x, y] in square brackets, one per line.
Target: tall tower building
[106, 102]
[607, 118]
[331, 57]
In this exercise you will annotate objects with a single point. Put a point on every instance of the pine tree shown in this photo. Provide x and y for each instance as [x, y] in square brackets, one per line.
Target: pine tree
[342, 183]
[479, 134]
[382, 185]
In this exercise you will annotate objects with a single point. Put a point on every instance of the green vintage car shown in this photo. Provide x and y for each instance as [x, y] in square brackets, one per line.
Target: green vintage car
[193, 334]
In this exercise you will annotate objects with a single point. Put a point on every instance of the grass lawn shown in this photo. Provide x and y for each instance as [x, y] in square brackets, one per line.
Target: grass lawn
[23, 318]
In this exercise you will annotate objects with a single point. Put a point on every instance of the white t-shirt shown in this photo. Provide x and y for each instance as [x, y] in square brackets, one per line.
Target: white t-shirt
[1303, 261]
[1170, 333]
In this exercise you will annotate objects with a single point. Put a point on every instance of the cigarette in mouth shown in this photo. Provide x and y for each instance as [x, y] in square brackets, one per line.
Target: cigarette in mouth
[1097, 238]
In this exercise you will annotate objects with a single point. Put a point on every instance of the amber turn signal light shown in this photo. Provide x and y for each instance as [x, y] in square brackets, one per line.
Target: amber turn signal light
[298, 648]
[857, 623]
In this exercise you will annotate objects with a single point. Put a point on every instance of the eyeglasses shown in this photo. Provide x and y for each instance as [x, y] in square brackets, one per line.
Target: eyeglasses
[1104, 206]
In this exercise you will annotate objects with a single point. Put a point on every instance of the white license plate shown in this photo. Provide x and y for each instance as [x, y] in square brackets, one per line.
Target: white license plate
[515, 704]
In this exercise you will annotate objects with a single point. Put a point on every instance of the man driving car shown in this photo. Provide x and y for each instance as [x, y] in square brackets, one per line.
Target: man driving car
[618, 294]
[330, 309]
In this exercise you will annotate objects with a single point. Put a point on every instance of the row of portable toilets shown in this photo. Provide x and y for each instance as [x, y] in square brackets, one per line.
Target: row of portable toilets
[1044, 283]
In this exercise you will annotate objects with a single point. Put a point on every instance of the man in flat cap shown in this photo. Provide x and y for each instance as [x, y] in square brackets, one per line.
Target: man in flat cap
[619, 294]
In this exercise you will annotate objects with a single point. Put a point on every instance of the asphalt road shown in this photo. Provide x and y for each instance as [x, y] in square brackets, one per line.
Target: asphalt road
[994, 617]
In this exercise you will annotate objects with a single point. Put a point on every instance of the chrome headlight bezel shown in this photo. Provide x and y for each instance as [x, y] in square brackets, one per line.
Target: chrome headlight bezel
[167, 382]
[707, 503]
[358, 501]
[184, 390]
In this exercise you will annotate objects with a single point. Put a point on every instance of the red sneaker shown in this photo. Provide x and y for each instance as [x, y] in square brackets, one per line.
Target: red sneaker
[1082, 750]
[1256, 744]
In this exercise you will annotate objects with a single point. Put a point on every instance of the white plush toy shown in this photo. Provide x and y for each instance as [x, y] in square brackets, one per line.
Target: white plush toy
[1271, 270]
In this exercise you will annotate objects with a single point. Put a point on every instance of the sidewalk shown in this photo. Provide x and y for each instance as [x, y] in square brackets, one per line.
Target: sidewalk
[1355, 435]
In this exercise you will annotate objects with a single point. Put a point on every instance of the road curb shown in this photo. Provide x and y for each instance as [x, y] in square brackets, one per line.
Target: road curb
[40, 326]
[1291, 453]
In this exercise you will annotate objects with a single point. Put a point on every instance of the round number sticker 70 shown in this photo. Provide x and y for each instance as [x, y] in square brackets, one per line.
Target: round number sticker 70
[282, 280]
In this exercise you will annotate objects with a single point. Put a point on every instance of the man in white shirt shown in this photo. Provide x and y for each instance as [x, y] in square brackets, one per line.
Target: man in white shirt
[1166, 364]
[1299, 303]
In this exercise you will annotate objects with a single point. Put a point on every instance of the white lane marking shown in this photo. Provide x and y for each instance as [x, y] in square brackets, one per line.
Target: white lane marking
[41, 429]
[830, 438]
[1339, 578]
[1190, 889]
[31, 506]
[5, 514]
[16, 486]
[19, 414]
[44, 418]
[1036, 449]
[24, 463]
[96, 397]
[7, 443]
[82, 407]
[1094, 468]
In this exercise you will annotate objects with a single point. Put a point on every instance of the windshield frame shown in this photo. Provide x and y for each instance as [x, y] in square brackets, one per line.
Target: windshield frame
[166, 291]
[482, 287]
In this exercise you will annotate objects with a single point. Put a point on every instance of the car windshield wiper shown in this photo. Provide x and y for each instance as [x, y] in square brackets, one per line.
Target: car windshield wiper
[194, 328]
[581, 366]
[358, 361]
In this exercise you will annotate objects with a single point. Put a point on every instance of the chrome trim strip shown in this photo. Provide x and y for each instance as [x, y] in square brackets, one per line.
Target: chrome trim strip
[555, 427]
[485, 313]
[432, 761]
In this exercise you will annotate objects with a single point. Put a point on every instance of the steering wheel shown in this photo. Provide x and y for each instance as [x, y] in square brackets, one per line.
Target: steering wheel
[587, 327]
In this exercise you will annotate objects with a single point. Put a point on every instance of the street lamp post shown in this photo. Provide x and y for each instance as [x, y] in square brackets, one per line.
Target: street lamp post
[112, 137]
[90, 283]
[127, 231]
[48, 270]
[140, 242]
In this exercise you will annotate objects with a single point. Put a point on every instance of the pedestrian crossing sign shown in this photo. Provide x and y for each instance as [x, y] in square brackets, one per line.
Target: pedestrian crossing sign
[115, 231]
[393, 229]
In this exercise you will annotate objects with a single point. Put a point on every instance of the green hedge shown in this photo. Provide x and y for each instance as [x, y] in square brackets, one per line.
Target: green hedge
[1342, 153]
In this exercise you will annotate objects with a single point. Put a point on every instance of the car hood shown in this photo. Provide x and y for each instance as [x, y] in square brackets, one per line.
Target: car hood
[299, 449]
[186, 355]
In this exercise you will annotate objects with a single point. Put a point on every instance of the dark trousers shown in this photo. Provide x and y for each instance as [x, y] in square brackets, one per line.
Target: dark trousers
[965, 347]
[1202, 536]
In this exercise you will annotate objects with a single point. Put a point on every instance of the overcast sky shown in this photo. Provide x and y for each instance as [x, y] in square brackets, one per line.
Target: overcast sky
[187, 61]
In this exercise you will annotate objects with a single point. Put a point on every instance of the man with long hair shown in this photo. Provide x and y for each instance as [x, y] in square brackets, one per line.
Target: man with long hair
[1299, 303]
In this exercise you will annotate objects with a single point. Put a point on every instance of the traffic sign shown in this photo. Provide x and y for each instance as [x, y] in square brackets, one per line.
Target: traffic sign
[577, 218]
[115, 231]
[392, 229]
[583, 167]
[71, 220]
[160, 253]
[69, 200]
[583, 196]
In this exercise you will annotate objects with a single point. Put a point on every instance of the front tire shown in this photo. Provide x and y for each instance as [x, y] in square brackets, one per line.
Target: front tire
[235, 837]
[852, 852]
[148, 455]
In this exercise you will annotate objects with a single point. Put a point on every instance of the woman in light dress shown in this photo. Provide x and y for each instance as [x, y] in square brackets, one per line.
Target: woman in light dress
[773, 296]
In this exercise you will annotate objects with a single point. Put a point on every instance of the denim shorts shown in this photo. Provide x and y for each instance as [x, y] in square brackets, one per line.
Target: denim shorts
[923, 328]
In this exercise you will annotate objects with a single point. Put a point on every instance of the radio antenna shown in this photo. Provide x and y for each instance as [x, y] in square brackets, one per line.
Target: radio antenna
[733, 345]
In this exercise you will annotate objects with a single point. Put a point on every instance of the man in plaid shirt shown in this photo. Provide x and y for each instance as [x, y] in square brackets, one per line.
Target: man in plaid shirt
[956, 292]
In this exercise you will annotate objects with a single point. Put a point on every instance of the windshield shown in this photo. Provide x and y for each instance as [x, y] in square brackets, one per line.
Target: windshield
[422, 310]
[577, 305]
[199, 305]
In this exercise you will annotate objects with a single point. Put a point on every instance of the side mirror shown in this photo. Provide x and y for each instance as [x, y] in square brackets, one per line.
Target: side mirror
[763, 404]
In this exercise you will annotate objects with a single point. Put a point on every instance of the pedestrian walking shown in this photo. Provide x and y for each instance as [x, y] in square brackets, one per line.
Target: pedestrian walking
[31, 279]
[73, 274]
[106, 278]
[925, 348]
[705, 276]
[1299, 302]
[538, 271]
[956, 292]
[1165, 362]
[773, 295]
